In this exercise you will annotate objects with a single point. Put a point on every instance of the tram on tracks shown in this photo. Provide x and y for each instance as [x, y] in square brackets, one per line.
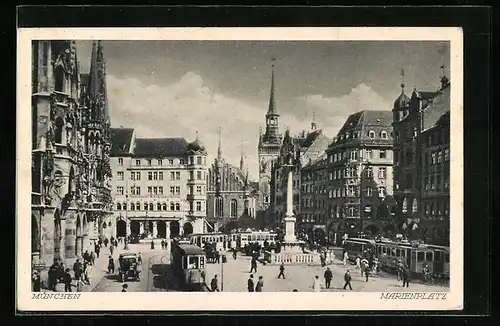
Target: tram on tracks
[235, 240]
[413, 255]
[188, 264]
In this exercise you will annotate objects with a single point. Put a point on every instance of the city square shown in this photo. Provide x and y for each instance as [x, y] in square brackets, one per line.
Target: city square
[150, 173]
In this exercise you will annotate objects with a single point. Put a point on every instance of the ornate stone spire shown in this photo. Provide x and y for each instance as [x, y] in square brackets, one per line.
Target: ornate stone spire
[97, 90]
[241, 158]
[272, 101]
[219, 147]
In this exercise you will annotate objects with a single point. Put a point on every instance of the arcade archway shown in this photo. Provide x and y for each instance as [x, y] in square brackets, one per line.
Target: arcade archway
[135, 228]
[162, 229]
[174, 229]
[188, 228]
[121, 228]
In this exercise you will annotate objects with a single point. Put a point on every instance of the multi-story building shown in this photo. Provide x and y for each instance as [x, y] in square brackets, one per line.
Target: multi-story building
[421, 171]
[268, 150]
[295, 151]
[159, 185]
[314, 199]
[359, 174]
[71, 202]
[230, 197]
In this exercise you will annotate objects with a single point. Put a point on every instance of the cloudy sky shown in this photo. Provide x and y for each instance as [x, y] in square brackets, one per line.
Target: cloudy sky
[175, 88]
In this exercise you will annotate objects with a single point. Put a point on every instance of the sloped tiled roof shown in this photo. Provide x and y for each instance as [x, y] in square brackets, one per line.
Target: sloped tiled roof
[148, 147]
[437, 108]
[121, 140]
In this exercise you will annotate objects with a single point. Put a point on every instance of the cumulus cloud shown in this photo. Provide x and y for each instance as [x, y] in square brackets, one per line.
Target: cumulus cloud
[187, 106]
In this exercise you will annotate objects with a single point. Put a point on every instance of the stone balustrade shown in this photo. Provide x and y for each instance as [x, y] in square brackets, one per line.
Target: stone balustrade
[291, 258]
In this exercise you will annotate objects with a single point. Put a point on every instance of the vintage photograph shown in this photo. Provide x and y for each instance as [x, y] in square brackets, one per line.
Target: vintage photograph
[241, 165]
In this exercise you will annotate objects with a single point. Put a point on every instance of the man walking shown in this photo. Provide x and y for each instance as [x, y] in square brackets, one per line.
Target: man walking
[214, 286]
[77, 269]
[328, 277]
[67, 281]
[260, 284]
[406, 277]
[253, 265]
[347, 279]
[282, 271]
[250, 284]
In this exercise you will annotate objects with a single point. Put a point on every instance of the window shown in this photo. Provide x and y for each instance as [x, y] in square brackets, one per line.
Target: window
[446, 209]
[177, 207]
[405, 206]
[446, 155]
[160, 162]
[150, 175]
[137, 162]
[164, 207]
[191, 175]
[172, 175]
[151, 207]
[414, 206]
[155, 190]
[382, 154]
[219, 207]
[198, 175]
[446, 181]
[438, 182]
[371, 134]
[120, 161]
[420, 256]
[440, 157]
[383, 134]
[382, 172]
[160, 190]
[198, 160]
[155, 175]
[138, 176]
[354, 155]
[369, 153]
[368, 191]
[172, 206]
[148, 162]
[433, 184]
[150, 191]
[171, 161]
[146, 206]
[428, 256]
[177, 190]
[369, 172]
[351, 211]
[160, 175]
[177, 175]
[382, 192]
[181, 161]
[433, 158]
[172, 190]
[191, 160]
[132, 206]
[198, 206]
[119, 175]
[158, 207]
[119, 190]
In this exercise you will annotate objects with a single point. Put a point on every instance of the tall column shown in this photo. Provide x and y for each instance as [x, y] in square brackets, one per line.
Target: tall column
[289, 217]
[70, 236]
[167, 230]
[141, 227]
[85, 237]
[79, 245]
[155, 229]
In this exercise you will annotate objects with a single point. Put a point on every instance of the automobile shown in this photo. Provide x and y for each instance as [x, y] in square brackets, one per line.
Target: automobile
[129, 267]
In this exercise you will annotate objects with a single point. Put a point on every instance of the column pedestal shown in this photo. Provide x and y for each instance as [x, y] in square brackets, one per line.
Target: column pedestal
[155, 229]
[78, 246]
[141, 227]
[167, 230]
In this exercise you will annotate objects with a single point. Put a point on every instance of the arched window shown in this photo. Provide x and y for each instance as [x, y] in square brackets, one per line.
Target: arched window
[177, 207]
[158, 207]
[59, 79]
[137, 206]
[234, 208]
[219, 207]
[414, 205]
[383, 134]
[371, 134]
[132, 206]
[405, 206]
[59, 130]
[124, 206]
[151, 207]
[146, 206]
[164, 206]
[172, 206]
[118, 206]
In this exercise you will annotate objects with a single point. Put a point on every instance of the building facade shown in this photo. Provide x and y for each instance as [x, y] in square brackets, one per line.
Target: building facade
[359, 175]
[70, 201]
[230, 196]
[421, 163]
[295, 151]
[159, 185]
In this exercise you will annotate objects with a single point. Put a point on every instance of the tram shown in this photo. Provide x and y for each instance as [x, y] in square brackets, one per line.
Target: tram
[188, 264]
[357, 247]
[220, 240]
[259, 237]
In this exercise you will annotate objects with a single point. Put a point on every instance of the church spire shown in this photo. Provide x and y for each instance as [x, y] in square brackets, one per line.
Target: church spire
[272, 101]
[241, 158]
[97, 78]
[219, 148]
[402, 80]
[313, 122]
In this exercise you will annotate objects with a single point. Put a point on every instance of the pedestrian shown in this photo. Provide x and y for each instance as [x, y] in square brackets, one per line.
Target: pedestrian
[347, 279]
[253, 265]
[67, 281]
[162, 244]
[260, 284]
[406, 277]
[93, 257]
[346, 257]
[400, 268]
[214, 286]
[79, 284]
[77, 269]
[152, 244]
[124, 287]
[250, 284]
[98, 250]
[111, 265]
[87, 272]
[111, 249]
[234, 253]
[53, 275]
[217, 257]
[37, 284]
[282, 271]
[367, 271]
[61, 271]
[86, 256]
[316, 286]
[328, 277]
[139, 258]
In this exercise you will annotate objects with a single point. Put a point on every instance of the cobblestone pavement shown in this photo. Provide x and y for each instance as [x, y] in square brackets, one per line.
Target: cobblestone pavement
[154, 266]
[236, 273]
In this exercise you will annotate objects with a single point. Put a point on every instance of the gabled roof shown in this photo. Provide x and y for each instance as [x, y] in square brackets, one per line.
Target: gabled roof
[436, 110]
[121, 141]
[150, 147]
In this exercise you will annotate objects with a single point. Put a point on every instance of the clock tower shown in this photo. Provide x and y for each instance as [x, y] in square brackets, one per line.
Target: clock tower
[269, 147]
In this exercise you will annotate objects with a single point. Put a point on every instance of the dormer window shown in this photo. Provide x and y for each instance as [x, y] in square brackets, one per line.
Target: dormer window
[383, 134]
[371, 134]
